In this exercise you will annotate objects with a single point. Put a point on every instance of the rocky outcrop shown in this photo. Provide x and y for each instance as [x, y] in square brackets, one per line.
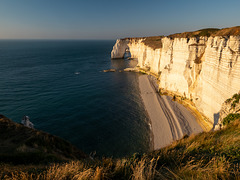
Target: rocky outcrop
[204, 69]
[119, 48]
[230, 106]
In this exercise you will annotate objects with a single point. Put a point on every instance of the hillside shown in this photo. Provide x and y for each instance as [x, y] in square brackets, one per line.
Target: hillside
[208, 155]
[232, 31]
[212, 155]
[155, 41]
[30, 154]
[23, 145]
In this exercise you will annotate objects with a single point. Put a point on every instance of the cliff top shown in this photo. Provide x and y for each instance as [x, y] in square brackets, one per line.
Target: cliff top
[155, 41]
[232, 31]
[152, 41]
[202, 32]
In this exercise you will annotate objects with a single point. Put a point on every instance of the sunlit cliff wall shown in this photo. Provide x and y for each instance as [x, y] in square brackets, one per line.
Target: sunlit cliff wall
[204, 69]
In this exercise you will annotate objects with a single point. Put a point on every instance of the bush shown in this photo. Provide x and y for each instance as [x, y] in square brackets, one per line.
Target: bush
[228, 100]
[236, 97]
[230, 118]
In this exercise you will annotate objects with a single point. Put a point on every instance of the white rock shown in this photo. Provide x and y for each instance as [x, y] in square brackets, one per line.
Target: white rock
[206, 70]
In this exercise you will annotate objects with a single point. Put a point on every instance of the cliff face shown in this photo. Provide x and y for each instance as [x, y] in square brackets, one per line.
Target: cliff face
[204, 69]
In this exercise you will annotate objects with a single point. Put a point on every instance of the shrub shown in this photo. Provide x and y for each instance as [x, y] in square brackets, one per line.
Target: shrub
[228, 100]
[236, 97]
[230, 118]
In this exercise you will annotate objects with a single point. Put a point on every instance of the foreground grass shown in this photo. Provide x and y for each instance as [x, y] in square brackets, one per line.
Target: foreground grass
[212, 155]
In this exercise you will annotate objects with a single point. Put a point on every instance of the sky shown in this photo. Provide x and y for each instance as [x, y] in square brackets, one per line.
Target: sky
[112, 19]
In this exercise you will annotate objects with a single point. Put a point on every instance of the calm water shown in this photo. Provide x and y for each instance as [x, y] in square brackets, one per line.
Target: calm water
[59, 84]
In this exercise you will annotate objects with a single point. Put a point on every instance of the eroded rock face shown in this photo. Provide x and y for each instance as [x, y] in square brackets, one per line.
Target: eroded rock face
[220, 75]
[204, 69]
[119, 49]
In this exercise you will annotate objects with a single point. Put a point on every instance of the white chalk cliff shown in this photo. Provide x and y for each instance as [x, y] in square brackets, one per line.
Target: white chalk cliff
[204, 69]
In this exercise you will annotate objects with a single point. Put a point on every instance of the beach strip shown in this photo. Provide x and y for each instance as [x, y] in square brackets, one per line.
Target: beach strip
[170, 121]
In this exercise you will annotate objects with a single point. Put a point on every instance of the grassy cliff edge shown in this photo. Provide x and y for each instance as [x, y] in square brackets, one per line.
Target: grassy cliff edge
[155, 42]
[212, 155]
[23, 145]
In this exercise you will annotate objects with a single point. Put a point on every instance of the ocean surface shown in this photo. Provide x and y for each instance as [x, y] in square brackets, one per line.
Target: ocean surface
[61, 87]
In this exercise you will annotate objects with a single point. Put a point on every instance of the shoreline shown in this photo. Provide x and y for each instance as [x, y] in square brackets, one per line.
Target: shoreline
[169, 120]
[201, 119]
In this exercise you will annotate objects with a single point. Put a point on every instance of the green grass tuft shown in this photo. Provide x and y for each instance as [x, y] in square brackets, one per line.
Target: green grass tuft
[230, 118]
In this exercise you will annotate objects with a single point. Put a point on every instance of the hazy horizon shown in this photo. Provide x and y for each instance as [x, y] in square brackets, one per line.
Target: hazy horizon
[109, 20]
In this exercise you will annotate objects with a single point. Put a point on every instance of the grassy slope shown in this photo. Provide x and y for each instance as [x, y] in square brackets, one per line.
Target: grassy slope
[232, 31]
[212, 155]
[22, 145]
[155, 41]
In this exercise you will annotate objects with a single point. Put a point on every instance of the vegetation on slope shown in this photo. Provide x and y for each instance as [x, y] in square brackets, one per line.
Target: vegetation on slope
[231, 117]
[232, 31]
[234, 100]
[202, 32]
[155, 41]
[230, 109]
[213, 155]
[23, 145]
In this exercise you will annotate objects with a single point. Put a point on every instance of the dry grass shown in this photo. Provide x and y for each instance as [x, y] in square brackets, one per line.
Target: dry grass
[155, 42]
[212, 155]
[203, 32]
[232, 31]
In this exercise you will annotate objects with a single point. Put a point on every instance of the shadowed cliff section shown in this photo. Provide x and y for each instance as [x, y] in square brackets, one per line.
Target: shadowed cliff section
[23, 145]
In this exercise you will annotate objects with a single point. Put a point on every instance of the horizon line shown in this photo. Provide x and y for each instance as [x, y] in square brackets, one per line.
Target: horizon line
[34, 39]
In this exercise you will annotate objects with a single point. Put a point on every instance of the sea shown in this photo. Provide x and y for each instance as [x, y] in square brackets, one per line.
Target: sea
[61, 86]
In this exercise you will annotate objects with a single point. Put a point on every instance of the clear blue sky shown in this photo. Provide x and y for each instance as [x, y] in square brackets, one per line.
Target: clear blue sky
[111, 19]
